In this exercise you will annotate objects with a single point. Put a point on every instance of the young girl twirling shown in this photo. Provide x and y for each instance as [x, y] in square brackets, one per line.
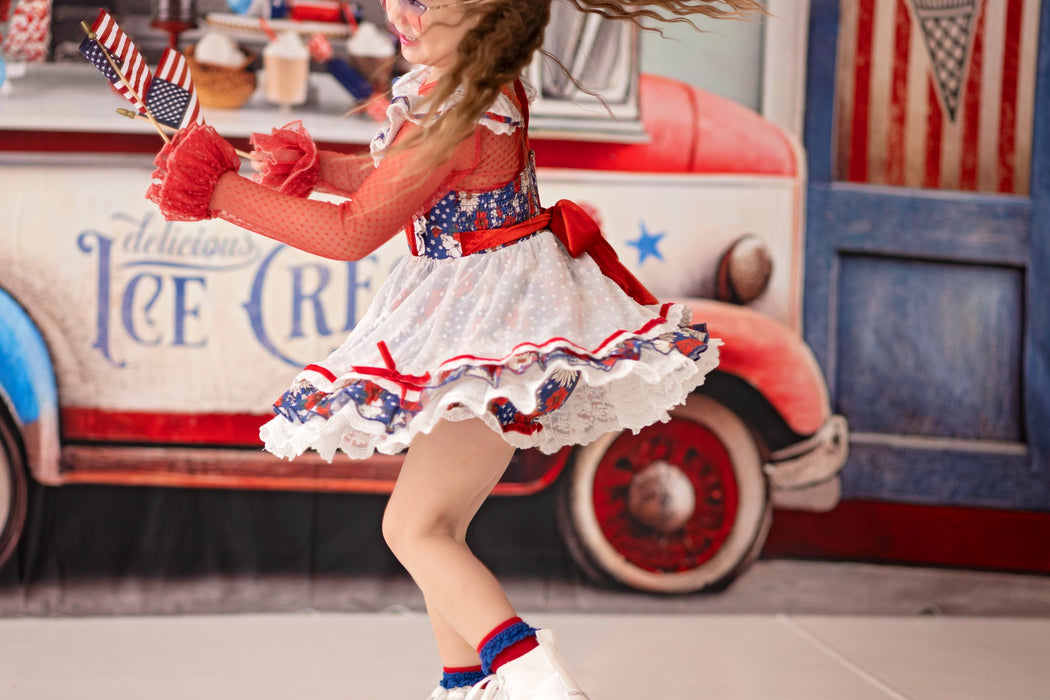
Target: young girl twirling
[509, 326]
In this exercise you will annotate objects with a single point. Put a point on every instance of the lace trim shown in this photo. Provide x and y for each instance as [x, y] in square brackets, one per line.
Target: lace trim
[503, 117]
[383, 413]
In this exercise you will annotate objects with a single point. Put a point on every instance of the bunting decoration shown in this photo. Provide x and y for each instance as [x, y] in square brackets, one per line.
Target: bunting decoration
[947, 29]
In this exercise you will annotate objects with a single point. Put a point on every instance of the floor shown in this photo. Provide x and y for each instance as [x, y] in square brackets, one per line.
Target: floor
[615, 657]
[136, 594]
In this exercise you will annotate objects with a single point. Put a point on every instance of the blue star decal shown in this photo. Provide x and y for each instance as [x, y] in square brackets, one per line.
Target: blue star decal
[646, 245]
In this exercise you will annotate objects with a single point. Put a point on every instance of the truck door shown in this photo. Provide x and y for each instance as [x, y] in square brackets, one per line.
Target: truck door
[928, 245]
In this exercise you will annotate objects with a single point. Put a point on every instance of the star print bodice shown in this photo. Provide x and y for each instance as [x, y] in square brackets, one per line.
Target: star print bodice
[461, 212]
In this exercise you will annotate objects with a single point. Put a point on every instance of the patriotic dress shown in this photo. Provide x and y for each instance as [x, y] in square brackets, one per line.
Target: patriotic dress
[505, 312]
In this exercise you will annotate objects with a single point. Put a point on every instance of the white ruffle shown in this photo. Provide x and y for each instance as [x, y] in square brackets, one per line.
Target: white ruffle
[516, 307]
[502, 117]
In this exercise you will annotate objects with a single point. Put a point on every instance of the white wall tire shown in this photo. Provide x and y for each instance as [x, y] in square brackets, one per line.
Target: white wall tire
[13, 490]
[682, 506]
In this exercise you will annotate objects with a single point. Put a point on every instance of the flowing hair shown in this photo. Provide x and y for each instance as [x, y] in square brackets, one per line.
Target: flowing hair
[505, 36]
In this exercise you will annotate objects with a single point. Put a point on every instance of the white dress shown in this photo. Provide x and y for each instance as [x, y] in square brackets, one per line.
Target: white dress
[542, 346]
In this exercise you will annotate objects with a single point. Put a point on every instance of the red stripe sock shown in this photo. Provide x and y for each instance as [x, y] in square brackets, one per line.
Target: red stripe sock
[504, 644]
[514, 651]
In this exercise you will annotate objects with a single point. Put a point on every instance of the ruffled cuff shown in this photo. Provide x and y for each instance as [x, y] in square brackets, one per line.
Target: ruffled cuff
[286, 160]
[187, 169]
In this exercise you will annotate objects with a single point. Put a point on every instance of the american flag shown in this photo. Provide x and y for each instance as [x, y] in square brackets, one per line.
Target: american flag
[171, 97]
[110, 37]
[937, 93]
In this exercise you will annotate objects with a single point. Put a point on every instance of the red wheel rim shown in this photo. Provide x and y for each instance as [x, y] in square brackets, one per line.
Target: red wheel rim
[701, 458]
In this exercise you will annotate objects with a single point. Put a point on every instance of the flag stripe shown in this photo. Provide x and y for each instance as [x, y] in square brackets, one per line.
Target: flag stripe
[133, 66]
[881, 75]
[896, 140]
[971, 110]
[918, 115]
[994, 18]
[1008, 100]
[1026, 78]
[934, 125]
[858, 163]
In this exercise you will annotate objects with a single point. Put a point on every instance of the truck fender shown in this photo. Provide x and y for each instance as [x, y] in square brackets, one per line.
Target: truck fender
[771, 358]
[28, 390]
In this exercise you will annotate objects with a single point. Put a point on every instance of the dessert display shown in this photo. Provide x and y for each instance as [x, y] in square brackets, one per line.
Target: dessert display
[286, 70]
[221, 71]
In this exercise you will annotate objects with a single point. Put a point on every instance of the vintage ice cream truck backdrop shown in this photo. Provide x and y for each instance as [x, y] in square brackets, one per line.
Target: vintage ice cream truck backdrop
[141, 352]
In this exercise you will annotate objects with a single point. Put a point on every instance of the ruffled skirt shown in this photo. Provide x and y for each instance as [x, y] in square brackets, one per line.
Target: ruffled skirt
[543, 347]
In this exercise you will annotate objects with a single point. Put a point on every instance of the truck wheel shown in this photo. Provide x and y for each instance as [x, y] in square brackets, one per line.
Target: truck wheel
[13, 489]
[681, 506]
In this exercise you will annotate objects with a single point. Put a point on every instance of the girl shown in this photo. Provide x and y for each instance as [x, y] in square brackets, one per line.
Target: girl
[510, 325]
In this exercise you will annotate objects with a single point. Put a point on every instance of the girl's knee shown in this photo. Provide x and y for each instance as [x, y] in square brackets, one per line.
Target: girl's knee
[394, 529]
[405, 528]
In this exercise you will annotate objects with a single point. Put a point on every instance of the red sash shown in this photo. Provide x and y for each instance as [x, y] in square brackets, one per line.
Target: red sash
[577, 231]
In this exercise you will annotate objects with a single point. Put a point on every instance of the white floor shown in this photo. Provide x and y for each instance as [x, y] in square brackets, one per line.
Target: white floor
[615, 657]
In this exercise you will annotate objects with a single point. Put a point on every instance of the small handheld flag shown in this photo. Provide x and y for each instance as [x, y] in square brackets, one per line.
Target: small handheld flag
[168, 99]
[170, 96]
[130, 76]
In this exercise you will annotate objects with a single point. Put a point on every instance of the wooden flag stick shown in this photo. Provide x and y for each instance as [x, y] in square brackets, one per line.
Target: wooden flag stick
[132, 114]
[120, 74]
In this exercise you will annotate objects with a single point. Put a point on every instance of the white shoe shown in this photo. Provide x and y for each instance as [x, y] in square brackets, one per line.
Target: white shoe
[538, 675]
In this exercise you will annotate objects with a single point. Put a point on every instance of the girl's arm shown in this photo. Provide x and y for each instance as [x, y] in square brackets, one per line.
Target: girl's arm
[196, 178]
[385, 201]
[342, 173]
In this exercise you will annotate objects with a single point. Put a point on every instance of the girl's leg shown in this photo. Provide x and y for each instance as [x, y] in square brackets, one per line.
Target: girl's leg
[454, 651]
[444, 480]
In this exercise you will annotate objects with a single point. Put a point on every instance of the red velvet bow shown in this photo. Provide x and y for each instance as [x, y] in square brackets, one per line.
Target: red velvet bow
[580, 233]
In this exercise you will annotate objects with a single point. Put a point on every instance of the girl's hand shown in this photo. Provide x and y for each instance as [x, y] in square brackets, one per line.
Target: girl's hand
[286, 160]
[187, 169]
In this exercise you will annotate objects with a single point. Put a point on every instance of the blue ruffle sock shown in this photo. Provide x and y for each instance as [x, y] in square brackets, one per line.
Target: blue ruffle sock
[461, 677]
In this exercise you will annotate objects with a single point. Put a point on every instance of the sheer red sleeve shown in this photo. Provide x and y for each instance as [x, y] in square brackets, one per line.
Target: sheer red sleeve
[386, 200]
[343, 173]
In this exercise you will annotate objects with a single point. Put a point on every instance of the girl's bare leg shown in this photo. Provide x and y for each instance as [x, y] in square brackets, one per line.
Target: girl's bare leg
[446, 477]
[454, 651]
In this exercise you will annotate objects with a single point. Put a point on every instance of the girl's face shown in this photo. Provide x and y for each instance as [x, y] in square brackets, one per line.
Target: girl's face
[430, 30]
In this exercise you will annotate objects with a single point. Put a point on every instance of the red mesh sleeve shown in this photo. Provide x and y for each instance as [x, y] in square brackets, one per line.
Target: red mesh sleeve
[384, 202]
[343, 173]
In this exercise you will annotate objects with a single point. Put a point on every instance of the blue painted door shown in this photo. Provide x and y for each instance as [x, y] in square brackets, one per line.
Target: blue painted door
[928, 244]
